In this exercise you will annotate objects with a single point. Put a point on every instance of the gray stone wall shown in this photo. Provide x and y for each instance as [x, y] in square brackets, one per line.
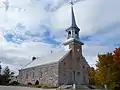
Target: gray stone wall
[64, 70]
[45, 74]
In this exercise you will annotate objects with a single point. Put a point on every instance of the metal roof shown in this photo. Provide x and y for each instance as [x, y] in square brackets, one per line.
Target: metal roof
[53, 57]
[72, 40]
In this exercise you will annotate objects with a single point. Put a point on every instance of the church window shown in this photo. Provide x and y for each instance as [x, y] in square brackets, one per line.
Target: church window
[78, 73]
[27, 75]
[76, 32]
[33, 75]
[84, 78]
[78, 50]
[21, 75]
[69, 32]
[64, 74]
[40, 74]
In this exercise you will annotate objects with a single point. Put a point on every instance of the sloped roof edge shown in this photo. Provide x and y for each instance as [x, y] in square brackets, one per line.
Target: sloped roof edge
[65, 55]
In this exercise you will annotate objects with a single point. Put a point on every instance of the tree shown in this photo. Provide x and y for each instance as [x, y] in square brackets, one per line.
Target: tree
[0, 79]
[116, 54]
[105, 69]
[108, 69]
[7, 74]
[117, 57]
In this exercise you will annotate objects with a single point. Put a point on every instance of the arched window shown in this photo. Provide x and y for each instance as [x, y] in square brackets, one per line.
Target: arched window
[26, 75]
[76, 32]
[40, 74]
[33, 75]
[69, 32]
[78, 73]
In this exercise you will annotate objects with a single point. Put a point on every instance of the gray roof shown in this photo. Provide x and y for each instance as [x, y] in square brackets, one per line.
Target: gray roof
[53, 57]
[72, 40]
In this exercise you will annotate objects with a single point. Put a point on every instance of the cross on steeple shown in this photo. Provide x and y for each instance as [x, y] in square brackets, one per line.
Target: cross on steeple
[71, 2]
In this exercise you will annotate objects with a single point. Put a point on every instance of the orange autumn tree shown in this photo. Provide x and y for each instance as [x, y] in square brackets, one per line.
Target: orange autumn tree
[116, 54]
[108, 69]
[117, 57]
[104, 69]
[92, 76]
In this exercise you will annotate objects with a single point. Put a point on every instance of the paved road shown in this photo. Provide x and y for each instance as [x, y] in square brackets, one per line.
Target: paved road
[28, 88]
[20, 88]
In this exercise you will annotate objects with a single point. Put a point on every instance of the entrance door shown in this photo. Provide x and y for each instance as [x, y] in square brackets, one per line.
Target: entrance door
[78, 78]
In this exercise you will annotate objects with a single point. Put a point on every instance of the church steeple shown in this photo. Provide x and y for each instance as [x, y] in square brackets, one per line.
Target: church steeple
[73, 17]
[73, 30]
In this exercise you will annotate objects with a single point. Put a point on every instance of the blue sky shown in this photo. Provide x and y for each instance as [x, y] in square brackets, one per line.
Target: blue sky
[35, 27]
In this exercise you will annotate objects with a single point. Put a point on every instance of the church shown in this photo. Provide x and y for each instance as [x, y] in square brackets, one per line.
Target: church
[59, 68]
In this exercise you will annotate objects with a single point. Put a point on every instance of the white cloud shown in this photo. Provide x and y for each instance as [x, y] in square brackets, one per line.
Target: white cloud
[90, 15]
[91, 51]
[30, 14]
[16, 56]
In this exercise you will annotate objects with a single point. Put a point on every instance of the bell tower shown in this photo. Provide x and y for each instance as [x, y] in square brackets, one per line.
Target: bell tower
[73, 30]
[73, 39]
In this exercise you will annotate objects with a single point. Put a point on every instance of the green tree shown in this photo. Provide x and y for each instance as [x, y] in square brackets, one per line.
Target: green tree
[7, 74]
[0, 79]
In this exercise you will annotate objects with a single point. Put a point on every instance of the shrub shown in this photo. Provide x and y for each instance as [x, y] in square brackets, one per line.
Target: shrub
[48, 86]
[38, 86]
[14, 83]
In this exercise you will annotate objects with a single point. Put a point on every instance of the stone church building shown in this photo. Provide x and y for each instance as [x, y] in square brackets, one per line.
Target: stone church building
[62, 67]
